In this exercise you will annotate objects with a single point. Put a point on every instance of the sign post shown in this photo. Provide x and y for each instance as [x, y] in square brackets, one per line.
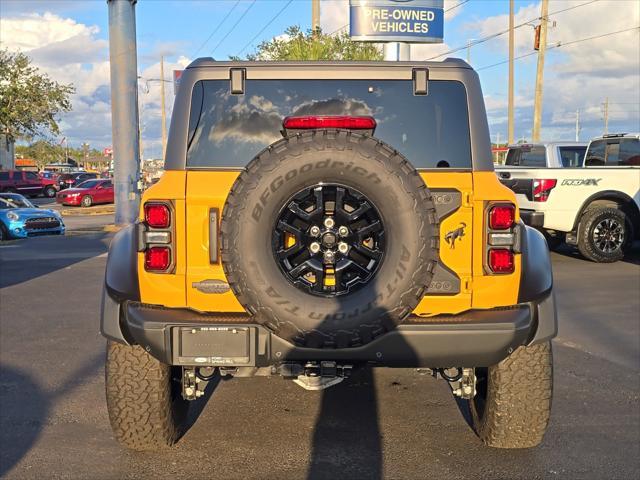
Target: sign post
[397, 24]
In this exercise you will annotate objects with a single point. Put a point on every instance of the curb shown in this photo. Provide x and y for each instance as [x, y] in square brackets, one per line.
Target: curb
[88, 211]
[110, 228]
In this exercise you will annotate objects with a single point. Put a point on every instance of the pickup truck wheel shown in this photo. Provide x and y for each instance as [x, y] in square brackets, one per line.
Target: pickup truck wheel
[513, 401]
[329, 238]
[49, 192]
[144, 402]
[603, 234]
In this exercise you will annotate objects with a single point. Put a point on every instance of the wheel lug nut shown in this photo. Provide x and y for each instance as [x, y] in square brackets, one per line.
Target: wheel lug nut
[343, 231]
[329, 256]
[329, 222]
[343, 248]
[315, 231]
[314, 247]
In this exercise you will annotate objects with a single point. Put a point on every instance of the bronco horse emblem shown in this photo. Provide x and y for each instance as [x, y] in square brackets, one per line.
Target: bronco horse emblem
[454, 235]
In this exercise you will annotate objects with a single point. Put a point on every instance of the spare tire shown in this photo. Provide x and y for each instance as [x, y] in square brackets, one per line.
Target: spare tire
[329, 238]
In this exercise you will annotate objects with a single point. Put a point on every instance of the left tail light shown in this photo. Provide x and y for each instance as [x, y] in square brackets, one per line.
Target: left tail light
[156, 237]
[502, 238]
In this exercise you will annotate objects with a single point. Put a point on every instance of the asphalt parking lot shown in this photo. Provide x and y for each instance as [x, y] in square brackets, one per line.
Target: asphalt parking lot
[391, 424]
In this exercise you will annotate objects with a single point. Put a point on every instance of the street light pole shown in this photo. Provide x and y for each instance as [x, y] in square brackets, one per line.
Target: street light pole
[124, 109]
[537, 105]
[511, 130]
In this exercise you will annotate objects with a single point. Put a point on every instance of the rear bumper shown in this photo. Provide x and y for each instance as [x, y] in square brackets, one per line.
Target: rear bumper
[475, 338]
[532, 218]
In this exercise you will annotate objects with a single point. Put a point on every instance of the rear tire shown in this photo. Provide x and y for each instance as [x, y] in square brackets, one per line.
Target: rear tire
[513, 402]
[86, 201]
[592, 234]
[145, 405]
[49, 192]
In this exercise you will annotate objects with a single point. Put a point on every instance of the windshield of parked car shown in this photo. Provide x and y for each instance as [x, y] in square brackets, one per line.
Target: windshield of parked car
[228, 130]
[17, 201]
[89, 184]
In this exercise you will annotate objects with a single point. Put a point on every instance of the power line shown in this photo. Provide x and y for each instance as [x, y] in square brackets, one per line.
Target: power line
[560, 44]
[498, 34]
[216, 29]
[234, 26]
[456, 6]
[265, 27]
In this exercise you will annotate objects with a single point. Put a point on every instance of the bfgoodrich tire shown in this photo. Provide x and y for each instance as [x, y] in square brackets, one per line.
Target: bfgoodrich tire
[145, 406]
[513, 402]
[604, 233]
[313, 162]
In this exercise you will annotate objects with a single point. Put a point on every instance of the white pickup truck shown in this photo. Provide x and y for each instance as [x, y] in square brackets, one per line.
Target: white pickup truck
[593, 203]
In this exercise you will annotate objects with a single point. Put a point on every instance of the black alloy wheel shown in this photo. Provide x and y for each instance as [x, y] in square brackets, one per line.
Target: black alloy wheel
[609, 235]
[329, 240]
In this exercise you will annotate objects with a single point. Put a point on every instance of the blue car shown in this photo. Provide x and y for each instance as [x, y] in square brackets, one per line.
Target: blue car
[19, 218]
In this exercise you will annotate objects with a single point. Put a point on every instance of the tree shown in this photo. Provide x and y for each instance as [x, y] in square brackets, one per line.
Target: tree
[29, 100]
[298, 45]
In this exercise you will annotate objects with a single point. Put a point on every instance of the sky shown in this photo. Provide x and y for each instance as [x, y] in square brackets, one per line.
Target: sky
[69, 40]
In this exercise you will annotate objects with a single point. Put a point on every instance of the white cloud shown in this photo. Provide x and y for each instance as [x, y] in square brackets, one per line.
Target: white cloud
[578, 76]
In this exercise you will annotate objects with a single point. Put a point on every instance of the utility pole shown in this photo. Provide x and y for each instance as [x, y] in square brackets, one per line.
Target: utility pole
[164, 113]
[578, 125]
[124, 109]
[606, 115]
[537, 105]
[315, 16]
[511, 132]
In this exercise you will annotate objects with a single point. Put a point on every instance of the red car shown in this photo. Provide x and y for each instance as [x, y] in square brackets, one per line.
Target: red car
[27, 183]
[89, 192]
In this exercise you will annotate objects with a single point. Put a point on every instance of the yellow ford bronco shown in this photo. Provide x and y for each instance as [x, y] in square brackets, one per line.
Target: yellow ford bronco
[316, 218]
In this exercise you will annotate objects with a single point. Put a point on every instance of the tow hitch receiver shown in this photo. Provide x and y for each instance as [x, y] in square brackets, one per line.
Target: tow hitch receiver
[315, 375]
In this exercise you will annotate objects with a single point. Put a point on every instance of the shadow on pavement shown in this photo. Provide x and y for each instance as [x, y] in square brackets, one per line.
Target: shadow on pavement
[43, 255]
[632, 256]
[25, 408]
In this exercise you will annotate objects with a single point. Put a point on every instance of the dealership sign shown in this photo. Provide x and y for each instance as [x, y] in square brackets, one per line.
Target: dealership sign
[414, 21]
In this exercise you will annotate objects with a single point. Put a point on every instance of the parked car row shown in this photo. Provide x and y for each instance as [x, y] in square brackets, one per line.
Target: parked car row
[579, 194]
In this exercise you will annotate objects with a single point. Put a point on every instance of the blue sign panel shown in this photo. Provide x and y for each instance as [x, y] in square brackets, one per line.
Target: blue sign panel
[419, 21]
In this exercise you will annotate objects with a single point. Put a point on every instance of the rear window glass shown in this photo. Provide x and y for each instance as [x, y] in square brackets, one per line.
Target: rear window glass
[527, 157]
[572, 156]
[229, 130]
[623, 152]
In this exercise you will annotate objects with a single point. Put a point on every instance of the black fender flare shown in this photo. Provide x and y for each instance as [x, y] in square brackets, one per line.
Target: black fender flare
[613, 195]
[536, 284]
[120, 283]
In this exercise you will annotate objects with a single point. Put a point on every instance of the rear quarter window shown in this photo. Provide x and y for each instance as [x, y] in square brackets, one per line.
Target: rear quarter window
[527, 157]
[227, 131]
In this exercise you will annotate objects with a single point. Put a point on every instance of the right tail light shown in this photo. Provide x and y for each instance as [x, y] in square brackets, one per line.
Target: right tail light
[542, 188]
[501, 238]
[155, 237]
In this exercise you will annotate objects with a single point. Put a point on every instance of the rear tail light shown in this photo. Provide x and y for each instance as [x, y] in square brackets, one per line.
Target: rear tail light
[502, 217]
[501, 260]
[157, 259]
[330, 121]
[156, 238]
[542, 189]
[157, 215]
[501, 241]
